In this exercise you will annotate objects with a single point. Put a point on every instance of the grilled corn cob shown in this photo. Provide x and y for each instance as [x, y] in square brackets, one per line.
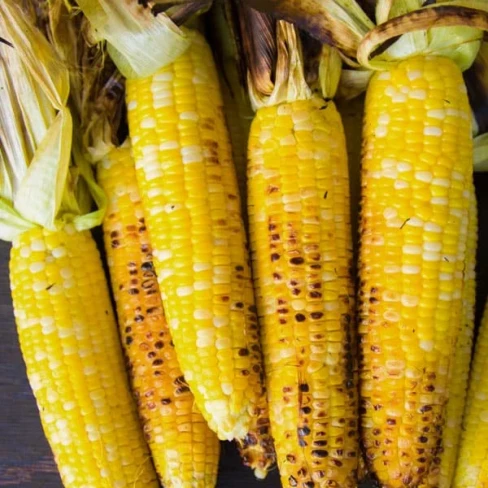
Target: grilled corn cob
[184, 449]
[191, 201]
[74, 362]
[442, 469]
[417, 171]
[472, 465]
[302, 253]
[62, 307]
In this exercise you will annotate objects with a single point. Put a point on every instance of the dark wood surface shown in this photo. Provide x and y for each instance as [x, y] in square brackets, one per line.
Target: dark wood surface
[25, 457]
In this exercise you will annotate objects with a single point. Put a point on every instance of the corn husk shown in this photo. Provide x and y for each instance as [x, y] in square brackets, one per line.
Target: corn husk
[41, 185]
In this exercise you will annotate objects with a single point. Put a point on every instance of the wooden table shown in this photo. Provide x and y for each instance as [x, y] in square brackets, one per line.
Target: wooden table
[25, 457]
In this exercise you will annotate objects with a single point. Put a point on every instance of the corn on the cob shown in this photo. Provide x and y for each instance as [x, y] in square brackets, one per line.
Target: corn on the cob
[417, 170]
[184, 449]
[70, 345]
[472, 465]
[62, 307]
[442, 469]
[189, 191]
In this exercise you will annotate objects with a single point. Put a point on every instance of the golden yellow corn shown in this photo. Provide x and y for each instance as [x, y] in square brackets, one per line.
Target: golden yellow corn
[302, 253]
[472, 465]
[184, 449]
[442, 469]
[190, 196]
[70, 345]
[417, 171]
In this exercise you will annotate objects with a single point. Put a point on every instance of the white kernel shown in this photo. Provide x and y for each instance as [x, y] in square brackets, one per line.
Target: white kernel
[431, 256]
[432, 130]
[40, 355]
[148, 123]
[384, 75]
[52, 396]
[331, 306]
[445, 296]
[167, 145]
[432, 227]
[205, 337]
[410, 300]
[223, 343]
[403, 167]
[384, 119]
[415, 222]
[216, 407]
[66, 273]
[444, 182]
[38, 245]
[436, 113]
[202, 314]
[400, 185]
[439, 201]
[293, 207]
[25, 251]
[189, 116]
[40, 285]
[69, 406]
[391, 269]
[192, 154]
[399, 98]
[298, 304]
[288, 140]
[414, 74]
[220, 321]
[327, 214]
[132, 105]
[423, 176]
[427, 345]
[411, 249]
[174, 323]
[388, 163]
[329, 276]
[418, 94]
[433, 246]
[391, 316]
[381, 131]
[410, 269]
[202, 285]
[227, 388]
[161, 102]
[300, 116]
[390, 90]
[37, 267]
[391, 173]
[197, 267]
[163, 254]
[184, 291]
[390, 213]
[163, 76]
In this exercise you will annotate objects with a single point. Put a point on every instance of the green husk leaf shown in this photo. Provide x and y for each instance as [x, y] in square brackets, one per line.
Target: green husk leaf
[481, 153]
[139, 42]
[450, 28]
[330, 68]
[341, 23]
[353, 83]
[40, 194]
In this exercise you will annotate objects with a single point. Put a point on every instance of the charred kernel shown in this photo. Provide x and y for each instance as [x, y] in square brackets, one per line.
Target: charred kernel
[147, 266]
[157, 362]
[166, 401]
[429, 388]
[133, 291]
[297, 261]
[256, 368]
[250, 440]
[309, 484]
[292, 481]
[391, 421]
[287, 389]
[290, 458]
[376, 431]
[239, 268]
[129, 340]
[245, 372]
[296, 291]
[115, 243]
[159, 344]
[299, 317]
[316, 266]
[302, 472]
[139, 318]
[337, 462]
[373, 300]
[151, 355]
[375, 349]
[306, 410]
[316, 315]
[302, 442]
[181, 390]
[283, 310]
[320, 443]
[275, 256]
[423, 439]
[315, 294]
[277, 276]
[128, 329]
[239, 305]
[320, 453]
[303, 431]
[282, 321]
[304, 387]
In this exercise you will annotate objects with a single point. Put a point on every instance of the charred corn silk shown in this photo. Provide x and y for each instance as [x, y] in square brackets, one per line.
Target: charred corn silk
[416, 187]
[302, 253]
[185, 451]
[190, 196]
